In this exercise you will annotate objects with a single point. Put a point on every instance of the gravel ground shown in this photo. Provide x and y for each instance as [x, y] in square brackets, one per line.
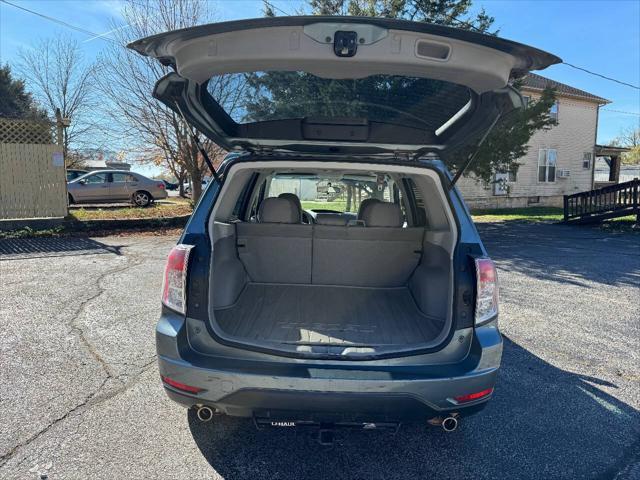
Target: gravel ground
[80, 395]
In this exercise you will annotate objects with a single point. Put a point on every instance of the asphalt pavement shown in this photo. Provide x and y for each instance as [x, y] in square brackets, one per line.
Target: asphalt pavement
[80, 395]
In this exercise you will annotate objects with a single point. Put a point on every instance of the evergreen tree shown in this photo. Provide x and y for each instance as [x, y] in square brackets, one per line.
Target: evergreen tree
[15, 100]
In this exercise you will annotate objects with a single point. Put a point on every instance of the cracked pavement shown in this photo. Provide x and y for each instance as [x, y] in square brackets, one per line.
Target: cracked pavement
[80, 395]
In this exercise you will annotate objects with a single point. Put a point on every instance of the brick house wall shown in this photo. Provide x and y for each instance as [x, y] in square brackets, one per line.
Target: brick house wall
[574, 135]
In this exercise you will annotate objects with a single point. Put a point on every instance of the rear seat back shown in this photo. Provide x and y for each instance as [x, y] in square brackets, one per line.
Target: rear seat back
[278, 248]
[381, 254]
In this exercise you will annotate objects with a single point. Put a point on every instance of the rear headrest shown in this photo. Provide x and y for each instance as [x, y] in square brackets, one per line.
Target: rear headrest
[295, 199]
[383, 214]
[335, 219]
[278, 210]
[366, 203]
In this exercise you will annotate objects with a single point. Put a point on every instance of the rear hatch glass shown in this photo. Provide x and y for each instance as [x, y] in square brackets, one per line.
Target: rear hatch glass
[411, 101]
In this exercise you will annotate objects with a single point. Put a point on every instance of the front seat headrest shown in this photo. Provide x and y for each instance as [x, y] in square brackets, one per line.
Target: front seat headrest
[293, 197]
[334, 219]
[366, 203]
[383, 214]
[278, 210]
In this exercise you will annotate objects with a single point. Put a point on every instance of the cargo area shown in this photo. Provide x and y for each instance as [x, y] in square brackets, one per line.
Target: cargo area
[326, 315]
[371, 279]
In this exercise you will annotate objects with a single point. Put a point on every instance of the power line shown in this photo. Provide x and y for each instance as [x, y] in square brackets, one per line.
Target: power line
[602, 76]
[473, 27]
[59, 22]
[620, 111]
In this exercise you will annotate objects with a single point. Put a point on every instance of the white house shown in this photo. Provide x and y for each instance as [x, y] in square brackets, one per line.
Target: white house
[560, 161]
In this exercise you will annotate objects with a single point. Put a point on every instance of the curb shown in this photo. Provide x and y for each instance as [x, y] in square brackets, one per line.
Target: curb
[73, 226]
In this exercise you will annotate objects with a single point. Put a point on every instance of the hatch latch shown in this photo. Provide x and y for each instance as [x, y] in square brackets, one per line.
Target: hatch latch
[345, 44]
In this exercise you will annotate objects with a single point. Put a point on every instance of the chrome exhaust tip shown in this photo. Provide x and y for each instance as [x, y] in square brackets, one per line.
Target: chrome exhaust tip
[204, 413]
[449, 424]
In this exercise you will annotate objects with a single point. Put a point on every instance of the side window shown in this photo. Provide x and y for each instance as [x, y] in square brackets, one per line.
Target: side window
[96, 178]
[547, 159]
[255, 205]
[586, 160]
[123, 177]
[553, 111]
[244, 198]
[417, 203]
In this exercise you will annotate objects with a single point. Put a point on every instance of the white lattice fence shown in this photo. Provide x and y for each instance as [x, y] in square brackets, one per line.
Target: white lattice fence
[32, 174]
[26, 131]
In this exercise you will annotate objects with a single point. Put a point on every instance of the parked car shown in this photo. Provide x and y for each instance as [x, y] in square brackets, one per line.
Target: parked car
[188, 185]
[73, 173]
[170, 186]
[384, 314]
[111, 186]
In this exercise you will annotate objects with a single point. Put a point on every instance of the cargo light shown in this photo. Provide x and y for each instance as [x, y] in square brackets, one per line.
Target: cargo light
[180, 386]
[174, 285]
[473, 396]
[486, 290]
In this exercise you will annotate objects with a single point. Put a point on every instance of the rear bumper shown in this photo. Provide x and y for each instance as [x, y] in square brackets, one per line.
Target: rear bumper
[160, 195]
[325, 390]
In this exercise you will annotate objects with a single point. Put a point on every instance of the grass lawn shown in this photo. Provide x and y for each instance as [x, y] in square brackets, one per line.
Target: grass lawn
[156, 210]
[529, 214]
[338, 205]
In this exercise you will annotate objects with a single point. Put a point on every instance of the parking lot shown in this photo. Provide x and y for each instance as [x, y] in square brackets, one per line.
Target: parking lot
[80, 395]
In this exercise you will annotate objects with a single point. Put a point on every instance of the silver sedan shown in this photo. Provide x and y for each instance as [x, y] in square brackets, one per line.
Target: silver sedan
[108, 186]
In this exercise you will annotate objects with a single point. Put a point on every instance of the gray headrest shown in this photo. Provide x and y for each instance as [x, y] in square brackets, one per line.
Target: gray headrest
[383, 214]
[366, 203]
[278, 210]
[335, 219]
[294, 197]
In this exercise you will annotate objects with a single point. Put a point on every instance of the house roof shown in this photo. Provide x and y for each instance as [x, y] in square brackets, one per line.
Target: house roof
[537, 82]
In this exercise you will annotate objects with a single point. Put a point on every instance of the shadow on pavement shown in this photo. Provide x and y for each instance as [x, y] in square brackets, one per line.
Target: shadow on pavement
[21, 248]
[564, 253]
[543, 422]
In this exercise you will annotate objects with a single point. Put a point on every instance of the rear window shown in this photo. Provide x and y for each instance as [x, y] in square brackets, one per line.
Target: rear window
[261, 96]
[339, 194]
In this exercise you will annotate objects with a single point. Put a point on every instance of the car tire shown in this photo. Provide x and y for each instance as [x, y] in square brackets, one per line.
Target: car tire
[70, 199]
[142, 198]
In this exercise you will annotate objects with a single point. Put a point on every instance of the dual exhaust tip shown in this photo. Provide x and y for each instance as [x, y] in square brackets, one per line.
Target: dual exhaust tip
[449, 424]
[204, 413]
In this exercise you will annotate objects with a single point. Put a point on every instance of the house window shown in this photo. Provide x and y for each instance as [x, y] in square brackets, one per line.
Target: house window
[553, 111]
[526, 99]
[547, 159]
[512, 176]
[586, 160]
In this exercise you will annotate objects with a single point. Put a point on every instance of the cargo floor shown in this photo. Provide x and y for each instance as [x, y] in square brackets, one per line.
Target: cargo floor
[312, 314]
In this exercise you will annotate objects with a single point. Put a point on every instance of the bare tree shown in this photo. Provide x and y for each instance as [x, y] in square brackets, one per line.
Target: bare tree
[629, 137]
[153, 132]
[60, 78]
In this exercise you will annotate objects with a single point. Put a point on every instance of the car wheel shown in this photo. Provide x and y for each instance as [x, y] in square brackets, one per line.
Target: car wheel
[70, 199]
[142, 199]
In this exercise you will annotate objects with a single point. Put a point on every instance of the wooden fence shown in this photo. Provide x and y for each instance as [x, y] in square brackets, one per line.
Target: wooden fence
[32, 173]
[603, 203]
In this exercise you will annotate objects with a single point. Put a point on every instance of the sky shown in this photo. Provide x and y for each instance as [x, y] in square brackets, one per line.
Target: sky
[601, 36]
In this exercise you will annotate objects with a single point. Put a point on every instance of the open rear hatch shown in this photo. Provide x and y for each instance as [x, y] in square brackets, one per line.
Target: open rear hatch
[339, 84]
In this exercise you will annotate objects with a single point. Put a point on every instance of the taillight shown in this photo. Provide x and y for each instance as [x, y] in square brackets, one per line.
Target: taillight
[161, 185]
[486, 290]
[174, 286]
[473, 396]
[180, 386]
